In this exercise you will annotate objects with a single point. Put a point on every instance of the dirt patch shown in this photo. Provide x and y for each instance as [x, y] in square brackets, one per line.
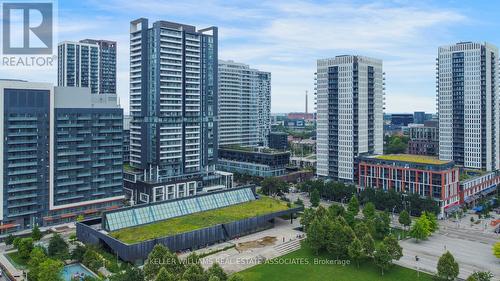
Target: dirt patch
[259, 243]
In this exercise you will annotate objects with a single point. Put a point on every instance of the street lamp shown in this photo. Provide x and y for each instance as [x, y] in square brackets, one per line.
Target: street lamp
[418, 269]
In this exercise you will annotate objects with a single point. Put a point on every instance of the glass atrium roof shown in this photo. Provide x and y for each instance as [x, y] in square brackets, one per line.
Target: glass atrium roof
[144, 214]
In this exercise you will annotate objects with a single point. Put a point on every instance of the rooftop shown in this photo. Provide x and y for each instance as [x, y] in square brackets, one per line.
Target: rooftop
[176, 225]
[420, 159]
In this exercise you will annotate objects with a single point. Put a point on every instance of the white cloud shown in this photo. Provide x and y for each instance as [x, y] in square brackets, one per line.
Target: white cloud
[286, 38]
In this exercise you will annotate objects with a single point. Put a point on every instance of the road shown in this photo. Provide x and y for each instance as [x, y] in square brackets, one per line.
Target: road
[470, 245]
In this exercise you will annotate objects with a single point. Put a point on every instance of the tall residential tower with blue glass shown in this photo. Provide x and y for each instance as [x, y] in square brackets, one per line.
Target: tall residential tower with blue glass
[88, 63]
[61, 155]
[173, 105]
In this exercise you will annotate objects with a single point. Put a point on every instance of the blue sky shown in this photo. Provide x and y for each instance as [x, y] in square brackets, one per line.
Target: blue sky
[286, 38]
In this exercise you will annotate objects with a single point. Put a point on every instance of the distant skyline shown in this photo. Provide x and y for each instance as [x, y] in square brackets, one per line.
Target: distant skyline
[287, 37]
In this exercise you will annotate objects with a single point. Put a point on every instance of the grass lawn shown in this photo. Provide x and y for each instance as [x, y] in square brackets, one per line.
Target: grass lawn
[172, 226]
[294, 270]
[16, 260]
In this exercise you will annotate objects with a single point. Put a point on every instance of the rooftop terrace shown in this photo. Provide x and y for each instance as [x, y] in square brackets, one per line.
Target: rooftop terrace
[420, 159]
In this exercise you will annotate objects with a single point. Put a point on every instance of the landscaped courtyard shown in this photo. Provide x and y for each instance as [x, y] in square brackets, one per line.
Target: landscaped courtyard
[300, 265]
[264, 205]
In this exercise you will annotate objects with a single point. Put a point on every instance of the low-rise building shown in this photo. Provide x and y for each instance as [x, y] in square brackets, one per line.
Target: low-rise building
[304, 162]
[424, 138]
[477, 184]
[278, 140]
[424, 175]
[140, 188]
[258, 162]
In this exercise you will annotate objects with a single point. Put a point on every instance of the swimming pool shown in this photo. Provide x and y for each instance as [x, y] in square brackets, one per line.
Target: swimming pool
[75, 269]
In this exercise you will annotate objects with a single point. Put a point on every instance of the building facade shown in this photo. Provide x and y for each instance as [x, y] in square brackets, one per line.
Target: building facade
[87, 154]
[425, 176]
[61, 155]
[424, 138]
[350, 102]
[126, 139]
[24, 173]
[468, 105]
[173, 109]
[173, 102]
[401, 119]
[254, 162]
[244, 104]
[264, 106]
[88, 63]
[278, 140]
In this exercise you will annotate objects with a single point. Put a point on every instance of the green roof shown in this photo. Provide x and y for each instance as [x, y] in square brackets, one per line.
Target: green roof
[264, 205]
[420, 159]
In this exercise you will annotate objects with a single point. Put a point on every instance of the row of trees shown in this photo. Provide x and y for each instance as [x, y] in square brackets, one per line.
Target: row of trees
[389, 200]
[274, 186]
[382, 200]
[343, 234]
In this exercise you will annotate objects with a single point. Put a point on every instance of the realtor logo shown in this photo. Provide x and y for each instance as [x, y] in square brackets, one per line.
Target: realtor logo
[27, 28]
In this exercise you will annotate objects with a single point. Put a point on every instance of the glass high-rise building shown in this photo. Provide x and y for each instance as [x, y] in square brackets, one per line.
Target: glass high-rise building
[60, 156]
[173, 99]
[88, 63]
[350, 103]
[468, 104]
[244, 105]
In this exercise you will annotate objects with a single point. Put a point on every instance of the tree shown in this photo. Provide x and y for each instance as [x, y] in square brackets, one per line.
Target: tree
[369, 211]
[37, 256]
[336, 211]
[194, 272]
[433, 223]
[447, 268]
[9, 240]
[78, 252]
[393, 247]
[496, 250]
[404, 219]
[360, 229]
[315, 198]
[16, 242]
[368, 245]
[164, 275]
[480, 276]
[50, 270]
[273, 186]
[161, 257]
[420, 229]
[307, 218]
[217, 271]
[131, 273]
[92, 260]
[382, 257]
[355, 250]
[382, 224]
[213, 278]
[58, 248]
[25, 246]
[353, 206]
[36, 234]
[315, 236]
[339, 235]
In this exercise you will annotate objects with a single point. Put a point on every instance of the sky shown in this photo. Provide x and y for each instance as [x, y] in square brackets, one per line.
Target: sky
[286, 37]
